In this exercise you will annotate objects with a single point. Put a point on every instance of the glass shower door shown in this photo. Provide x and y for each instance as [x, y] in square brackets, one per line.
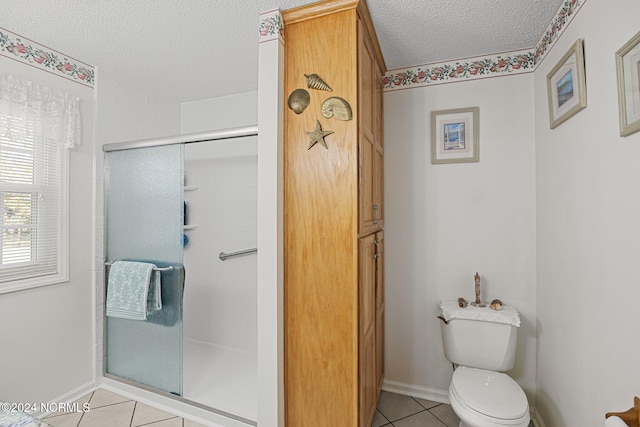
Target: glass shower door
[144, 222]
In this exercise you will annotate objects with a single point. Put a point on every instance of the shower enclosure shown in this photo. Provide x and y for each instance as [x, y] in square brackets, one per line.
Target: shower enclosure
[188, 205]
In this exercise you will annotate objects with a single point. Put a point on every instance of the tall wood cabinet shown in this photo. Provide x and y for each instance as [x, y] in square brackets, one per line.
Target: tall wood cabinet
[333, 218]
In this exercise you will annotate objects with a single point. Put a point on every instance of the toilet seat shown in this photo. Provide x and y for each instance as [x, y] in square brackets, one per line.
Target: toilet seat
[488, 398]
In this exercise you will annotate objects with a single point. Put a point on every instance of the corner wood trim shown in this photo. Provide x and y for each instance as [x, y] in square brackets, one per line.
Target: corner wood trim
[327, 7]
[316, 10]
[363, 11]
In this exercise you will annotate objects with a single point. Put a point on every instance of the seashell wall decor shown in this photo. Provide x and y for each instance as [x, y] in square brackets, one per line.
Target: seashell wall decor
[299, 100]
[496, 304]
[315, 82]
[336, 107]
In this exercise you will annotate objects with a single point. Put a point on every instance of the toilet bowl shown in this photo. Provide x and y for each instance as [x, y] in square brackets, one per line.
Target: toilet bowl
[483, 398]
[481, 344]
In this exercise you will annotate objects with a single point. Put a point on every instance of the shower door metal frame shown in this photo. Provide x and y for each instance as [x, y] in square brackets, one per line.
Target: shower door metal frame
[188, 138]
[222, 134]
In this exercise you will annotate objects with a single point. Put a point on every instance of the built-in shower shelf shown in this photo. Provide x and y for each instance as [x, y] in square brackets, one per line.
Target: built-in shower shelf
[191, 188]
[191, 227]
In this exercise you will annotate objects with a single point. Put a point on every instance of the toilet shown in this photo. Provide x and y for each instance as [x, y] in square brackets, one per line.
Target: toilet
[481, 345]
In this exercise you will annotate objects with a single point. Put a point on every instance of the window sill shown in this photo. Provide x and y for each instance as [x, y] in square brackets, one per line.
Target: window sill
[36, 282]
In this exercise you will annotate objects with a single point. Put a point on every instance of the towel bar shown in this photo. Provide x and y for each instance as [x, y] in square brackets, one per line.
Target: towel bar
[223, 255]
[170, 268]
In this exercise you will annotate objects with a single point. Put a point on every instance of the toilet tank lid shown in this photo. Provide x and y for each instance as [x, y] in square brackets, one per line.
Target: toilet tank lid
[450, 309]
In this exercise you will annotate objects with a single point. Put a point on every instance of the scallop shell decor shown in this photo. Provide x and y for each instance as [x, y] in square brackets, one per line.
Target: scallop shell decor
[299, 100]
[315, 82]
[336, 107]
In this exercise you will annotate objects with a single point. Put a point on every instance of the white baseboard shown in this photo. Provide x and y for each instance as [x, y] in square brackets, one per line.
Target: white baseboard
[536, 418]
[69, 397]
[435, 395]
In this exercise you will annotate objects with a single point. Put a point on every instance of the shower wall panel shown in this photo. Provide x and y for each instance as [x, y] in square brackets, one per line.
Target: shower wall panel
[221, 296]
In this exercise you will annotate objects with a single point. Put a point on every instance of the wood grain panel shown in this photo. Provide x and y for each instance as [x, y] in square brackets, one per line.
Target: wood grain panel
[378, 119]
[370, 157]
[368, 382]
[320, 225]
[379, 313]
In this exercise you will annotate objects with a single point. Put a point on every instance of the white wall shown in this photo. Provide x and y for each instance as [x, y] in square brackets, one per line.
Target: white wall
[270, 388]
[588, 233]
[47, 332]
[125, 112]
[445, 222]
[220, 113]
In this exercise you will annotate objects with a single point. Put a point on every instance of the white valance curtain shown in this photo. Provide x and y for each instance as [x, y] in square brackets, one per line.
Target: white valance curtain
[56, 114]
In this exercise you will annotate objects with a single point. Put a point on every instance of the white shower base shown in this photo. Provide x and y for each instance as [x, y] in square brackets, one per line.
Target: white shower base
[222, 378]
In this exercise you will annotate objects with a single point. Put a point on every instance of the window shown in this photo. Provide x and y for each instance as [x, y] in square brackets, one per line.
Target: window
[34, 124]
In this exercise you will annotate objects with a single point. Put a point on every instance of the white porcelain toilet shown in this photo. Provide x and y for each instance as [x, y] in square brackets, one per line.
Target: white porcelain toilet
[481, 344]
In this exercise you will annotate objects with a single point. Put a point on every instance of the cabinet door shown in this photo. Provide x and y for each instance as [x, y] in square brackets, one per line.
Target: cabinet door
[378, 147]
[367, 332]
[379, 341]
[368, 156]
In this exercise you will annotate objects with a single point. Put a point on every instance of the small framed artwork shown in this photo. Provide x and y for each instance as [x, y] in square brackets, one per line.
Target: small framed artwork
[628, 68]
[455, 135]
[566, 85]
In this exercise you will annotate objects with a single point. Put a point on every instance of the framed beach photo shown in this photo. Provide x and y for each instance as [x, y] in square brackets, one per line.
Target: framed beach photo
[628, 69]
[455, 135]
[566, 85]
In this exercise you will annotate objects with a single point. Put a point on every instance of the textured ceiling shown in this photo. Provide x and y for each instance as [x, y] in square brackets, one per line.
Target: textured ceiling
[195, 49]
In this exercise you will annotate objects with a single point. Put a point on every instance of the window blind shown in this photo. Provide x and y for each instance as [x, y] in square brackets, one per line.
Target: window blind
[30, 191]
[38, 126]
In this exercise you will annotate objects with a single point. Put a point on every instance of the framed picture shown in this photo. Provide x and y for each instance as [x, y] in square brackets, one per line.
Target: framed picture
[566, 85]
[628, 68]
[454, 135]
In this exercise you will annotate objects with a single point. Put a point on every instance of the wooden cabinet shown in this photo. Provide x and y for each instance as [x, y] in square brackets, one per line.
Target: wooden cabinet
[371, 324]
[371, 150]
[333, 266]
[379, 341]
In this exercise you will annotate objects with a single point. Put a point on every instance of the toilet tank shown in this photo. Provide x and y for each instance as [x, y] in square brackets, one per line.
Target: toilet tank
[486, 344]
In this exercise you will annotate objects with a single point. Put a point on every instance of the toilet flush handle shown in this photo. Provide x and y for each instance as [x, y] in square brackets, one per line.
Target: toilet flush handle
[443, 319]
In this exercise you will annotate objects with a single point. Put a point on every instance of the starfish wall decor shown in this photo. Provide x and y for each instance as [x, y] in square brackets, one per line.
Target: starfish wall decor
[317, 136]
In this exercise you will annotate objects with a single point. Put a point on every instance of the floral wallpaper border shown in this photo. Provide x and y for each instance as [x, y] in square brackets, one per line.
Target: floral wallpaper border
[271, 26]
[24, 50]
[559, 23]
[460, 70]
[496, 65]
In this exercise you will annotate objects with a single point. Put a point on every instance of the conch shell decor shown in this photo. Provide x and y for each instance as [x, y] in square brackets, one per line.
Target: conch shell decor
[336, 107]
[299, 100]
[315, 82]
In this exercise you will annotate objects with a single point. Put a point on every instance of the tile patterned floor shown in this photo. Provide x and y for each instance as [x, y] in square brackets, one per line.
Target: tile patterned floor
[396, 410]
[107, 409]
[403, 411]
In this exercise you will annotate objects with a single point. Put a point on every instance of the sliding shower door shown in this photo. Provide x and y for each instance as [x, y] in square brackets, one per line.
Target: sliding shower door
[144, 222]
